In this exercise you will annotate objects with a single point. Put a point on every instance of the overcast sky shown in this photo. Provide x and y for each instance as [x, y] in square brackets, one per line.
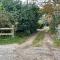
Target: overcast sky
[38, 3]
[38, 0]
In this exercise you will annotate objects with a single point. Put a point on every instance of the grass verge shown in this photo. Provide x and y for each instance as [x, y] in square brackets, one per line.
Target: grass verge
[38, 40]
[9, 40]
[56, 43]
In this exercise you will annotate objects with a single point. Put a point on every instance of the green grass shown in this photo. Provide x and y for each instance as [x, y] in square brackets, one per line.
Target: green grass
[56, 43]
[38, 40]
[10, 40]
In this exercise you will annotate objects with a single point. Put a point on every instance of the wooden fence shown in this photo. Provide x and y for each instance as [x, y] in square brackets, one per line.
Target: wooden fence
[6, 29]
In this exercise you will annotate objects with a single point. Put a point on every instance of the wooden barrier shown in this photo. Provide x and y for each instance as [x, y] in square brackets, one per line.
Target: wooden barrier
[6, 29]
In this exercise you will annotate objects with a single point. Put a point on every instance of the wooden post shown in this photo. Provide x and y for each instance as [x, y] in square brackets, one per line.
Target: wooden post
[12, 31]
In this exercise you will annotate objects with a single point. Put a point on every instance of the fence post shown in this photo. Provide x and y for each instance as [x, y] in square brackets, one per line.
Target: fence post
[12, 31]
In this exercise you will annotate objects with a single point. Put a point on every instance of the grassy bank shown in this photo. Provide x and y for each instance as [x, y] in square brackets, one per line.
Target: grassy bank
[56, 43]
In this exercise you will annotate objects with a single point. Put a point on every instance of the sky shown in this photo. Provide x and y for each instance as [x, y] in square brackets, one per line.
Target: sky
[25, 0]
[38, 0]
[38, 3]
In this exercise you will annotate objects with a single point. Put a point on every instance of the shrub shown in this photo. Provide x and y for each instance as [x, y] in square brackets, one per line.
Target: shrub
[53, 24]
[40, 23]
[5, 19]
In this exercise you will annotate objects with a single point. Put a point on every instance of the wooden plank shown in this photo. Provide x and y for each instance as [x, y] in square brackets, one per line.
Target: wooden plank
[6, 28]
[5, 33]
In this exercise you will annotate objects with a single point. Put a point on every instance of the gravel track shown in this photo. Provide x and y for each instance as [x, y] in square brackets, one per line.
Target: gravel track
[27, 52]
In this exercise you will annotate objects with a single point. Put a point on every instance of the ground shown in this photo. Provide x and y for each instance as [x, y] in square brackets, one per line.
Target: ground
[7, 52]
[25, 51]
[45, 52]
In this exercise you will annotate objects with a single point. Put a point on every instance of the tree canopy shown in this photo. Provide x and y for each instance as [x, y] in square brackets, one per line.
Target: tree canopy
[48, 8]
[26, 15]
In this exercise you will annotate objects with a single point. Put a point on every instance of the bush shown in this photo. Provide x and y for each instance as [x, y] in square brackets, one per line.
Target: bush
[5, 19]
[53, 24]
[40, 24]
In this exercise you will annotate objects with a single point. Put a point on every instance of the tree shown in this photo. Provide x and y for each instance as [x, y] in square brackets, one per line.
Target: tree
[29, 18]
[57, 1]
[5, 19]
[26, 16]
[48, 9]
[1, 6]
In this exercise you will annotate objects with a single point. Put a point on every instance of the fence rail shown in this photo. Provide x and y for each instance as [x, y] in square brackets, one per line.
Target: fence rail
[6, 28]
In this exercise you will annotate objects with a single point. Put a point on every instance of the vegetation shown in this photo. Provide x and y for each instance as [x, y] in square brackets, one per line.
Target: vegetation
[5, 19]
[26, 15]
[48, 9]
[57, 1]
[23, 16]
[29, 18]
[54, 23]
[19, 39]
[26, 18]
[56, 42]
[41, 23]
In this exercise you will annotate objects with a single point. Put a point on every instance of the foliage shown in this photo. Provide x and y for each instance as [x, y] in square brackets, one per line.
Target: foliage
[57, 1]
[48, 8]
[29, 18]
[1, 6]
[11, 5]
[9, 40]
[41, 23]
[57, 7]
[57, 18]
[5, 19]
[26, 15]
[56, 42]
[54, 23]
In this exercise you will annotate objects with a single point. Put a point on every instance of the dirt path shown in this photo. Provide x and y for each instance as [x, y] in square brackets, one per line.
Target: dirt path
[47, 43]
[8, 52]
[47, 40]
[29, 41]
[46, 52]
[26, 52]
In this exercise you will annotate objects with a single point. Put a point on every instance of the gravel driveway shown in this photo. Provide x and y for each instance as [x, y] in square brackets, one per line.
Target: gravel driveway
[7, 52]
[27, 52]
[38, 53]
[10, 52]
[45, 52]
